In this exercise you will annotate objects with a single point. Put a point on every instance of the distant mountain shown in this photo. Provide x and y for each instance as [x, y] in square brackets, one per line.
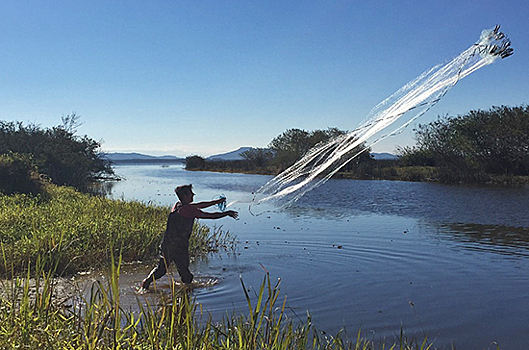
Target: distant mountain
[233, 155]
[383, 156]
[117, 157]
[236, 155]
[132, 157]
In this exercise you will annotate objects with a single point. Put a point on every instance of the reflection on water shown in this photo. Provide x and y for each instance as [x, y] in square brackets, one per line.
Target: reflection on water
[450, 262]
[510, 241]
[426, 201]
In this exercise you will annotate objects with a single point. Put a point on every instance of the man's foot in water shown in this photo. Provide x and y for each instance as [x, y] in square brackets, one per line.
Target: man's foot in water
[142, 288]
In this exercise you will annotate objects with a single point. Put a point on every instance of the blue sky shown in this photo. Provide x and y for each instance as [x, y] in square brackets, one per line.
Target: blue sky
[205, 77]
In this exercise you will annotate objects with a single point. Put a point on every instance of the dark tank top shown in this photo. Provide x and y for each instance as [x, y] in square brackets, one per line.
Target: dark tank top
[178, 229]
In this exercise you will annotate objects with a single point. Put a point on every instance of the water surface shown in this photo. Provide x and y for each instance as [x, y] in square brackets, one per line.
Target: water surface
[449, 262]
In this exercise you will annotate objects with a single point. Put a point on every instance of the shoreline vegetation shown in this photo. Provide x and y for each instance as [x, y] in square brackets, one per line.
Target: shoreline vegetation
[73, 231]
[385, 170]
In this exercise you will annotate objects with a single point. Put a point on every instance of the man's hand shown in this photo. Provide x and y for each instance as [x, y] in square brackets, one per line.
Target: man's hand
[233, 214]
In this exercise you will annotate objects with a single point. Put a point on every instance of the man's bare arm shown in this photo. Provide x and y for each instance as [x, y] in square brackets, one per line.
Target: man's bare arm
[217, 215]
[202, 205]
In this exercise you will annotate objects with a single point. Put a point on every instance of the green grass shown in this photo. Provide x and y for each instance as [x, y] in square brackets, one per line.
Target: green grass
[73, 230]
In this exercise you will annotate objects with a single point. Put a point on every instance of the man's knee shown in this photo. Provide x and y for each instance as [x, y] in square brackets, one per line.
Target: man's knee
[181, 261]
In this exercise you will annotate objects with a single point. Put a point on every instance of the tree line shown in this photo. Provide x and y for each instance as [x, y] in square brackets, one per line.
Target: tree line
[282, 152]
[30, 154]
[478, 147]
[474, 147]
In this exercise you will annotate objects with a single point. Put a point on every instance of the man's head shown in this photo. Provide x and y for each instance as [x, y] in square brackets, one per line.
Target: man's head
[185, 193]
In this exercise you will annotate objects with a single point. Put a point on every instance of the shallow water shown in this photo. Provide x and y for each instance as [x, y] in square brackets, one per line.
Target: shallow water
[450, 262]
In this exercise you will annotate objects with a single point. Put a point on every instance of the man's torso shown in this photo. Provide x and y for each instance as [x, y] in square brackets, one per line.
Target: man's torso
[179, 227]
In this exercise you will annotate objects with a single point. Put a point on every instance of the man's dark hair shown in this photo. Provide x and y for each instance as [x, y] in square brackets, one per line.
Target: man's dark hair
[183, 190]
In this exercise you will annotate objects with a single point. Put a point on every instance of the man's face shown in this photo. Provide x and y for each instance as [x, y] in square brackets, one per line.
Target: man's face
[188, 197]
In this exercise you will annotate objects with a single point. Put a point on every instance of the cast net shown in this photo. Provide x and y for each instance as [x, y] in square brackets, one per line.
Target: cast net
[410, 102]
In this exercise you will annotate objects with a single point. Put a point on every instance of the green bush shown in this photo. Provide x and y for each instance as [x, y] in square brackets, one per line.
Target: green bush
[195, 163]
[472, 147]
[65, 158]
[18, 174]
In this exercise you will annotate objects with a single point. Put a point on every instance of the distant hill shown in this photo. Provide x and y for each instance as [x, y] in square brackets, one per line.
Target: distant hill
[383, 156]
[233, 155]
[117, 157]
[132, 157]
[236, 155]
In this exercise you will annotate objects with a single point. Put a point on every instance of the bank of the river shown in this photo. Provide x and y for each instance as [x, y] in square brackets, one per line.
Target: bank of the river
[432, 174]
[35, 318]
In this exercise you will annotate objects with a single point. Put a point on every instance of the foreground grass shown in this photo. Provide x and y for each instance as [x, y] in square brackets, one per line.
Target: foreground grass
[72, 231]
[30, 318]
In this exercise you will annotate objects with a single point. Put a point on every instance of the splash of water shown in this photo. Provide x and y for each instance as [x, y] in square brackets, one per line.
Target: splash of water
[419, 95]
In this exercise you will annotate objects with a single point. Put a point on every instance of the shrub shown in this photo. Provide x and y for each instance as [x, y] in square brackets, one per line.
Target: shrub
[64, 157]
[18, 174]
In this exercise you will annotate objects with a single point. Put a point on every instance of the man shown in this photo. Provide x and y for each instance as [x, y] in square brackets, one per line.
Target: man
[175, 242]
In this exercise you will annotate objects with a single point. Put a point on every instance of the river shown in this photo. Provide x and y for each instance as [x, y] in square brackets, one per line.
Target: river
[447, 262]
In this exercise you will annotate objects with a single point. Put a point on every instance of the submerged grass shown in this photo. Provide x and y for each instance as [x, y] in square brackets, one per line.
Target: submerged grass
[80, 226]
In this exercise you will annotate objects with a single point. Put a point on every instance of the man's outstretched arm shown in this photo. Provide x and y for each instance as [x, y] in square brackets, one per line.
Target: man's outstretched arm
[207, 204]
[217, 215]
